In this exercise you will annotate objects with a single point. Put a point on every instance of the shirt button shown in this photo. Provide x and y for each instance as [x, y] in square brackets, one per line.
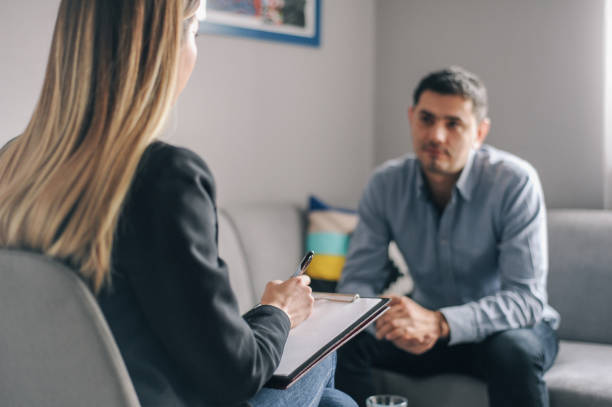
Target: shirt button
[443, 241]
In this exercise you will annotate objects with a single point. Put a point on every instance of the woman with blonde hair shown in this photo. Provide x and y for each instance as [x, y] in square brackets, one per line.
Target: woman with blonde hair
[88, 184]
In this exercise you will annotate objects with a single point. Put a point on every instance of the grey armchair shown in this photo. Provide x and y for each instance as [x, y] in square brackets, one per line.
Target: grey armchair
[55, 346]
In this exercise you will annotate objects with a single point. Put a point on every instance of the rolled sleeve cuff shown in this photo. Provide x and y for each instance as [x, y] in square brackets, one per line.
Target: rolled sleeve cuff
[462, 323]
[269, 311]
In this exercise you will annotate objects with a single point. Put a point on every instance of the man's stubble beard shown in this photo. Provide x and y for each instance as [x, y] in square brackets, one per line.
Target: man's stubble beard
[435, 167]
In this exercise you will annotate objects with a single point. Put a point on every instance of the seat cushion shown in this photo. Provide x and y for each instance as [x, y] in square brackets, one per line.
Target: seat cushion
[447, 390]
[581, 375]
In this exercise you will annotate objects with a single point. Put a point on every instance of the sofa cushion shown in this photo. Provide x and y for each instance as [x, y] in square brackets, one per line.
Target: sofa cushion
[580, 277]
[231, 250]
[447, 390]
[581, 375]
[271, 238]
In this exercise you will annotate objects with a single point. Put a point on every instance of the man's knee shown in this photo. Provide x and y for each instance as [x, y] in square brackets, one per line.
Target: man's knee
[516, 353]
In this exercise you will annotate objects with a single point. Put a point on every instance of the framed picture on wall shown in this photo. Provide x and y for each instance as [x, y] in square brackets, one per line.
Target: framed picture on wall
[295, 21]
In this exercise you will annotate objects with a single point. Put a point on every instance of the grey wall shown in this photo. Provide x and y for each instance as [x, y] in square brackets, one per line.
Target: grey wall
[274, 121]
[25, 37]
[542, 62]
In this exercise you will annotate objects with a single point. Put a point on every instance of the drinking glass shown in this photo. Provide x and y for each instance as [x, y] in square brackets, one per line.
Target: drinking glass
[386, 400]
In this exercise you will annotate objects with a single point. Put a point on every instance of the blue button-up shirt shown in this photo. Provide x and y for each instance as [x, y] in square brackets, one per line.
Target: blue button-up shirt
[482, 261]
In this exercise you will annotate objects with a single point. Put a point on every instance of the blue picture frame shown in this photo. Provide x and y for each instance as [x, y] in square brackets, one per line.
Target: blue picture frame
[239, 19]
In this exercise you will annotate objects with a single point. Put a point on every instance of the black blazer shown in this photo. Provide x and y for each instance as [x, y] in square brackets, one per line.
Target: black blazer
[170, 306]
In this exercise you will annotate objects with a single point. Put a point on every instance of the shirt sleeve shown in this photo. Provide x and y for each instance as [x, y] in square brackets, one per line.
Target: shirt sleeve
[523, 266]
[367, 268]
[183, 286]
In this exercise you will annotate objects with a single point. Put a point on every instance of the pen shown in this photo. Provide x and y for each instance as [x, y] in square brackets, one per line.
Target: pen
[335, 297]
[304, 264]
[301, 268]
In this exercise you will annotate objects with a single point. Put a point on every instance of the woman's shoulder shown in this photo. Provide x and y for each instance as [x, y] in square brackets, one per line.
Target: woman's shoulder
[168, 169]
[163, 158]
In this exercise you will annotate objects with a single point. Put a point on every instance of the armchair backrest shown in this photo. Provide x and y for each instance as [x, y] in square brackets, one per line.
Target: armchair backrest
[55, 346]
[260, 243]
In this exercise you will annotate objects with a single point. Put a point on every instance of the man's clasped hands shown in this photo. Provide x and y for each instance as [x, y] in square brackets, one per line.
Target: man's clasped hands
[410, 326]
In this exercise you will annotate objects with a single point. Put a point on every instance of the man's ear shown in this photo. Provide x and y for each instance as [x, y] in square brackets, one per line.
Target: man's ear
[410, 114]
[481, 133]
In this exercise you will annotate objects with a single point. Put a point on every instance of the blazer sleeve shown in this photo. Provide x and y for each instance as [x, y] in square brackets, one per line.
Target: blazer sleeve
[183, 287]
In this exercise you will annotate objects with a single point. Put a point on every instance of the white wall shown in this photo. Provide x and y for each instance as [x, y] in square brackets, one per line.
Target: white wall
[277, 121]
[274, 121]
[542, 62]
[25, 37]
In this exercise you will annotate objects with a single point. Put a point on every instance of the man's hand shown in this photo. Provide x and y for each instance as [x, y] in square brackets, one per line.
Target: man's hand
[411, 327]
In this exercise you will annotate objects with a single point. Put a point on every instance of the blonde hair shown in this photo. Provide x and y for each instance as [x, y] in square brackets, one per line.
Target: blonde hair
[109, 85]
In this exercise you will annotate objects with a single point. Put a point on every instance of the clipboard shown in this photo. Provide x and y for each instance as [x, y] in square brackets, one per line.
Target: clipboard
[331, 325]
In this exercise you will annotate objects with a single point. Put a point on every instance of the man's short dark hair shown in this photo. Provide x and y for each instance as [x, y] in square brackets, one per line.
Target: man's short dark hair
[456, 81]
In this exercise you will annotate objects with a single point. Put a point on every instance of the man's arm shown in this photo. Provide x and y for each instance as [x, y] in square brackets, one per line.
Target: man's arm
[523, 264]
[365, 271]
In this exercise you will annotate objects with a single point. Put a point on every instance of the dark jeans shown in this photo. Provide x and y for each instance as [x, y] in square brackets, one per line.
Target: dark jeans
[315, 388]
[512, 363]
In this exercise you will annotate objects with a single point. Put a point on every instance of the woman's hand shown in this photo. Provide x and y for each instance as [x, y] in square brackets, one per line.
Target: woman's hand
[293, 296]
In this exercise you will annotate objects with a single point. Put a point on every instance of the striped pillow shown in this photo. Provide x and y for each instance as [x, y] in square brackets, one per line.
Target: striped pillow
[329, 231]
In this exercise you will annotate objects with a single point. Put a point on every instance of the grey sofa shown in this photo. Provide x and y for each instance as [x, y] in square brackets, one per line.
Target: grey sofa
[264, 242]
[56, 349]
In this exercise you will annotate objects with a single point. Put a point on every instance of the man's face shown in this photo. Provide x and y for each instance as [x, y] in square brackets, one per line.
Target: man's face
[444, 130]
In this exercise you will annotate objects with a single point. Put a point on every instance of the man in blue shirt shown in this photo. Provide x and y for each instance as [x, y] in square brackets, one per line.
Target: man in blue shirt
[470, 221]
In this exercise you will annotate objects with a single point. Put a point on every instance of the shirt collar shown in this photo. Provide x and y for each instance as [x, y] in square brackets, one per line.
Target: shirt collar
[467, 181]
[422, 188]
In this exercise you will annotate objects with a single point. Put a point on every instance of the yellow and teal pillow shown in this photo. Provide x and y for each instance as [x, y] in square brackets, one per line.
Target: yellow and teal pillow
[328, 235]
